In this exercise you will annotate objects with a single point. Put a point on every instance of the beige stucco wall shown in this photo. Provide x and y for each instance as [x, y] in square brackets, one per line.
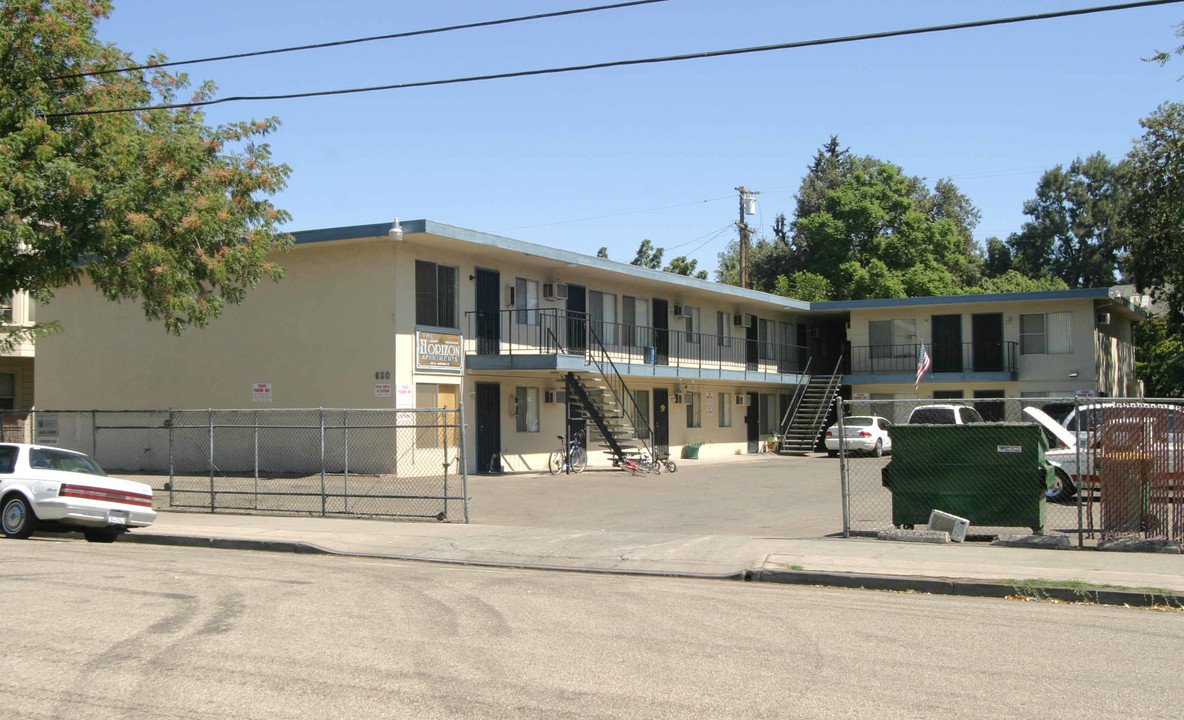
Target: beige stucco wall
[1034, 372]
[318, 337]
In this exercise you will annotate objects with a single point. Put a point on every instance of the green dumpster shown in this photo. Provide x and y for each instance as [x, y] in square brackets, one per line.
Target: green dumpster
[993, 474]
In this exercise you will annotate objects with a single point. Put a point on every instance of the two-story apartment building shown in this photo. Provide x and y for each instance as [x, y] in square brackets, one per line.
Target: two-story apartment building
[535, 341]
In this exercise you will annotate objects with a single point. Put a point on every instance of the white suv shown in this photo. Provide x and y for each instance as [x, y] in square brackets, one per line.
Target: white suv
[944, 415]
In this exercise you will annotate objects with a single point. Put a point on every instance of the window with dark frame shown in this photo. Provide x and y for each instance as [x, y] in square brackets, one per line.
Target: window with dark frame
[435, 295]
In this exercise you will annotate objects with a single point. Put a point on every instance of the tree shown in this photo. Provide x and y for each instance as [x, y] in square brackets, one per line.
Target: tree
[602, 252]
[1159, 353]
[1155, 211]
[682, 266]
[1076, 232]
[648, 256]
[150, 205]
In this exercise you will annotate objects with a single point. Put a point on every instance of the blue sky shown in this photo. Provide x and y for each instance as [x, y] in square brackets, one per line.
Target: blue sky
[611, 157]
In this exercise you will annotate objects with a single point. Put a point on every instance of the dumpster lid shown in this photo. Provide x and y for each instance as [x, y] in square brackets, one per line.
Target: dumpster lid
[1051, 426]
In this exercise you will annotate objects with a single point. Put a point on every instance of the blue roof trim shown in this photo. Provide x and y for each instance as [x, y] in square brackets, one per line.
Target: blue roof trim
[574, 259]
[960, 299]
[578, 260]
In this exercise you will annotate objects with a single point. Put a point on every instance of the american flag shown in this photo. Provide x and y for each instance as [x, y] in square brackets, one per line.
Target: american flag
[923, 365]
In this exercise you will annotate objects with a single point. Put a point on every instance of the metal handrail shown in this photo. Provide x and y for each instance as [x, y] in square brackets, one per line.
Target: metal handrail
[795, 403]
[636, 415]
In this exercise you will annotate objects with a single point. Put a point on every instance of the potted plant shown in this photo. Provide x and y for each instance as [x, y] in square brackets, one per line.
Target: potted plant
[690, 451]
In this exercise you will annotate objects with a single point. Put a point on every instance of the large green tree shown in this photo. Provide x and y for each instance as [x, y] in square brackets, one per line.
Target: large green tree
[1077, 232]
[150, 205]
[1155, 211]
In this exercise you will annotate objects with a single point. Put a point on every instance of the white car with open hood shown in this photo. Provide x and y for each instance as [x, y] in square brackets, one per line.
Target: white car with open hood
[50, 488]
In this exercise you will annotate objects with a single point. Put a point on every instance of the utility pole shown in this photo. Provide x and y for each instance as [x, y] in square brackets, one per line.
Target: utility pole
[745, 200]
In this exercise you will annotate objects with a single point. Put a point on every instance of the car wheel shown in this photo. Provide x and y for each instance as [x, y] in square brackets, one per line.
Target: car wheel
[878, 450]
[18, 518]
[1063, 488]
[832, 453]
[102, 535]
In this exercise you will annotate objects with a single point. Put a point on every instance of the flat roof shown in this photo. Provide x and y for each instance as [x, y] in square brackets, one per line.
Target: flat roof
[574, 259]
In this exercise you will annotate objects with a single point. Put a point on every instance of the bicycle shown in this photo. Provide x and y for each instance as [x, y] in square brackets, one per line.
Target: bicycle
[569, 456]
[642, 464]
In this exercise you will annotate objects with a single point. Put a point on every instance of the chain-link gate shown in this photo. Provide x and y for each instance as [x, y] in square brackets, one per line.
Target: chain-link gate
[405, 463]
[1113, 466]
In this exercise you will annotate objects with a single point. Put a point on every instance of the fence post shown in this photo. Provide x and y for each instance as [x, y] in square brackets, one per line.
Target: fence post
[255, 432]
[442, 420]
[464, 467]
[172, 462]
[1082, 487]
[94, 435]
[345, 449]
[324, 500]
[210, 416]
[846, 485]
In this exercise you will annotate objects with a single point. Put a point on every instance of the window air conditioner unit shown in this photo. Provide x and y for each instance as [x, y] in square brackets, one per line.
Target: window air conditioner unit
[554, 397]
[511, 293]
[688, 398]
[678, 398]
[743, 320]
[743, 399]
[1103, 318]
[554, 291]
[682, 311]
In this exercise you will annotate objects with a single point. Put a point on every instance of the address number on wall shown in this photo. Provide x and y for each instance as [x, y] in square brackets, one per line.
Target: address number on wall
[382, 375]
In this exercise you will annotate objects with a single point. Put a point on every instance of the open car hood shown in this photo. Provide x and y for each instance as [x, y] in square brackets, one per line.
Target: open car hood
[1052, 426]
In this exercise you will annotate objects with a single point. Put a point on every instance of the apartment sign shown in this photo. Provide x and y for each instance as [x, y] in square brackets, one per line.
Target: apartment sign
[436, 350]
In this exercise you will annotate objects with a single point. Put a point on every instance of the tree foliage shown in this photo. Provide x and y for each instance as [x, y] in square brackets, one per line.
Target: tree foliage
[1159, 359]
[151, 205]
[648, 256]
[1155, 211]
[1076, 232]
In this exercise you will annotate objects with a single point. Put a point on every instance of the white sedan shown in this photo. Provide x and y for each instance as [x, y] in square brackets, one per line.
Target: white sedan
[61, 490]
[862, 433]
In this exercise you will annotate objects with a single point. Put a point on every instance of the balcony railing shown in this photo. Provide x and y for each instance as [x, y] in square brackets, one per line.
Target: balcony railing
[552, 331]
[945, 357]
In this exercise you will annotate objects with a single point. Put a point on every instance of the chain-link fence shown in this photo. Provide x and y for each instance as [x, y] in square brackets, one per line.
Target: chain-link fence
[1096, 468]
[405, 463]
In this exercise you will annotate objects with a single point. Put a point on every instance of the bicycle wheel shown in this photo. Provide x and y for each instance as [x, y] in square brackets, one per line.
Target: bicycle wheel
[555, 462]
[579, 460]
[671, 466]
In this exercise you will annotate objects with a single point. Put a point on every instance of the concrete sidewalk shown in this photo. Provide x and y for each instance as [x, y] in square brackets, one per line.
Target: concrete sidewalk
[967, 569]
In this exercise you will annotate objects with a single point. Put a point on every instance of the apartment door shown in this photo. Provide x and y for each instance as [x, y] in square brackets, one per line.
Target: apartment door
[662, 331]
[577, 323]
[947, 343]
[488, 313]
[489, 427]
[990, 405]
[752, 420]
[661, 421]
[986, 332]
[752, 346]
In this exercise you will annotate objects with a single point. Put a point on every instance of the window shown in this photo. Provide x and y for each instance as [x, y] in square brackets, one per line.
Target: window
[6, 308]
[768, 419]
[694, 411]
[7, 459]
[635, 312]
[436, 430]
[1046, 333]
[527, 417]
[526, 298]
[7, 391]
[725, 409]
[693, 327]
[435, 295]
[892, 338]
[641, 427]
[723, 328]
[602, 311]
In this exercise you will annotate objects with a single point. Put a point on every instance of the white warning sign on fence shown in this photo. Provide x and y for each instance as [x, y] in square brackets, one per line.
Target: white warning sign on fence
[261, 392]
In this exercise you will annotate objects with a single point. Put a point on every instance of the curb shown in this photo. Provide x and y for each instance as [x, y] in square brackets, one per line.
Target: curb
[965, 588]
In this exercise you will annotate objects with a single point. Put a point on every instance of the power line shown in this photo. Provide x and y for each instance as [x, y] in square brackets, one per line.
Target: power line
[339, 43]
[641, 61]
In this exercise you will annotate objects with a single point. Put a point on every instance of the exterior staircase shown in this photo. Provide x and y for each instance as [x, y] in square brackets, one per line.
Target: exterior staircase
[809, 411]
[608, 424]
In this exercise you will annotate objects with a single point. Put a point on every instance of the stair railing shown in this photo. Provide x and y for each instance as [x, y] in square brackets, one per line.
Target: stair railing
[597, 355]
[836, 377]
[796, 402]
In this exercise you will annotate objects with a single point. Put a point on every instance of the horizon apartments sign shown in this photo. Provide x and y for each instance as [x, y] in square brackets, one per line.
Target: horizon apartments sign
[435, 350]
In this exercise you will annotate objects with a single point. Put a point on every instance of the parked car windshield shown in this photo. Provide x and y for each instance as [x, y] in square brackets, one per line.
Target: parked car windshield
[970, 415]
[936, 416]
[45, 459]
